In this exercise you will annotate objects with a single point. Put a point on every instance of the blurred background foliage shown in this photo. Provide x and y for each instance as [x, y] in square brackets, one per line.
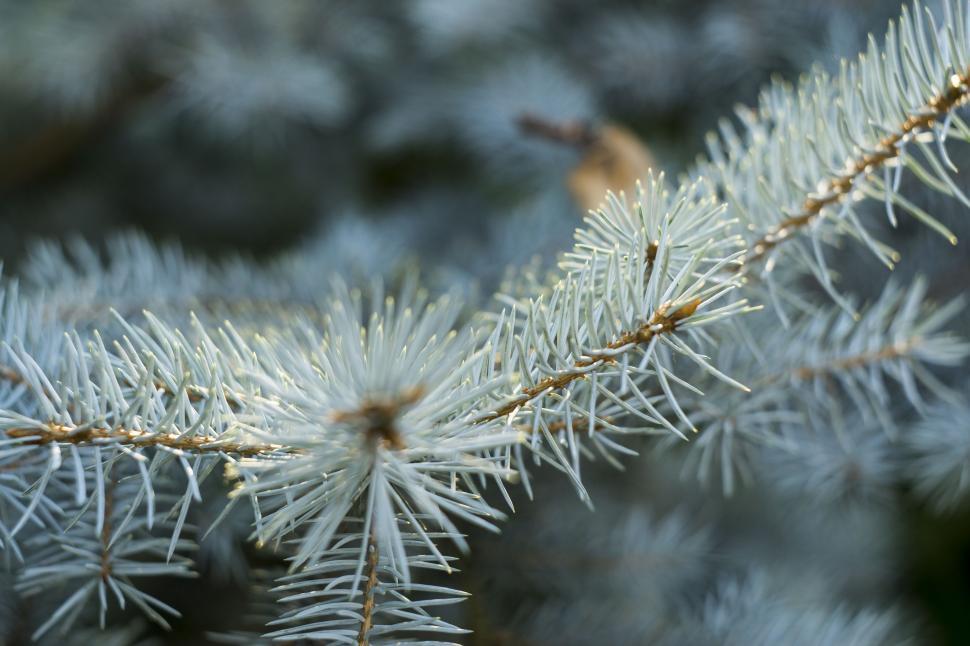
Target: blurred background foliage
[249, 125]
[467, 136]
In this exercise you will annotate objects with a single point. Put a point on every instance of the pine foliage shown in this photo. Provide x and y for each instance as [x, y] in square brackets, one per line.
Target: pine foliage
[363, 430]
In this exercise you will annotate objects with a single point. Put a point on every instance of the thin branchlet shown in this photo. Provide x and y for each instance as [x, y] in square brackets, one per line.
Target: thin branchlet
[578, 424]
[833, 190]
[896, 350]
[370, 588]
[106, 529]
[661, 322]
[578, 134]
[84, 436]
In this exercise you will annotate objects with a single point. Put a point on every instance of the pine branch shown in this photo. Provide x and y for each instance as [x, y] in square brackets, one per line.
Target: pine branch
[106, 529]
[570, 133]
[812, 152]
[660, 323]
[85, 435]
[896, 338]
[380, 408]
[344, 599]
[91, 285]
[100, 553]
[834, 189]
[396, 415]
[643, 276]
[819, 361]
[896, 350]
[367, 610]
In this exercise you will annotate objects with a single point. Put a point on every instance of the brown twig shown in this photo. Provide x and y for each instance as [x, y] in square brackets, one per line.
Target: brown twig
[886, 353]
[834, 189]
[367, 608]
[199, 444]
[578, 134]
[659, 323]
[106, 531]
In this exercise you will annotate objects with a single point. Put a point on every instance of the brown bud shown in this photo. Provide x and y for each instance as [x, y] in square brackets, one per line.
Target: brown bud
[685, 310]
[613, 162]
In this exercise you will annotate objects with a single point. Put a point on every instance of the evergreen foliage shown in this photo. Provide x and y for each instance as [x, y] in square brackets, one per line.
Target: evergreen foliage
[151, 401]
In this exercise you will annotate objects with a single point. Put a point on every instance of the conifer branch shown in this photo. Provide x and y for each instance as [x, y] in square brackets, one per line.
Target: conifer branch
[106, 529]
[896, 350]
[661, 322]
[388, 408]
[81, 435]
[570, 133]
[832, 190]
[370, 586]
